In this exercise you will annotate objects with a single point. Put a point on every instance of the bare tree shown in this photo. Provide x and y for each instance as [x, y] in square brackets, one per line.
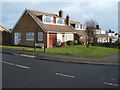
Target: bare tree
[90, 30]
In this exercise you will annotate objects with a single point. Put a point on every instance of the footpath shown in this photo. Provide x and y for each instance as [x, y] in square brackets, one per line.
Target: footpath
[111, 60]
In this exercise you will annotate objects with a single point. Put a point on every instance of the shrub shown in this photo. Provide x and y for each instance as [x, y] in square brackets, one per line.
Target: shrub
[59, 43]
[111, 45]
[70, 42]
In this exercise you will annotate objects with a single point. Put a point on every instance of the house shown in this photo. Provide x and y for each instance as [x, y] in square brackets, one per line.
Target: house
[5, 36]
[113, 36]
[42, 28]
[101, 35]
[51, 30]
[80, 36]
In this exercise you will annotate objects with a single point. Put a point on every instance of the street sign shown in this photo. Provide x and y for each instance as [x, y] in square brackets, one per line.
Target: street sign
[39, 44]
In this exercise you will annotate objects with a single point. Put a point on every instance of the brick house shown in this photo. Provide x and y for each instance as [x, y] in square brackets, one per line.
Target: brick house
[53, 30]
[40, 27]
[5, 36]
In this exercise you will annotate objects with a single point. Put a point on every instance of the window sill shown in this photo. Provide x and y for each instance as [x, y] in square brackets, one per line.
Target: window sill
[29, 40]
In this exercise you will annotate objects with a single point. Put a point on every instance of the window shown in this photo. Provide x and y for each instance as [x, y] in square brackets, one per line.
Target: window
[77, 26]
[97, 31]
[99, 40]
[60, 21]
[84, 27]
[102, 32]
[69, 37]
[48, 19]
[19, 36]
[29, 36]
[40, 36]
[81, 26]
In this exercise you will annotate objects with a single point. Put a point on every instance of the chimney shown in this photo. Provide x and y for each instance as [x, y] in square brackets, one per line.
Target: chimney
[110, 31]
[68, 20]
[97, 26]
[61, 13]
[116, 33]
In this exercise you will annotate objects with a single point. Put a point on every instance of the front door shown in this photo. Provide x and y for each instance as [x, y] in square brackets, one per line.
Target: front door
[52, 39]
[16, 38]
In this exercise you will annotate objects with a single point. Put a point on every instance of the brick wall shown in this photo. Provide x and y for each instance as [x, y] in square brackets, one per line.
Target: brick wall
[27, 24]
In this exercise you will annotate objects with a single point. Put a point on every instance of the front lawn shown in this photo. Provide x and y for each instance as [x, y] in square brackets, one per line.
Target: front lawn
[75, 50]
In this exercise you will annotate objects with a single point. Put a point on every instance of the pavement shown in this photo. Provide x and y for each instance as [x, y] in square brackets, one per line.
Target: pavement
[111, 60]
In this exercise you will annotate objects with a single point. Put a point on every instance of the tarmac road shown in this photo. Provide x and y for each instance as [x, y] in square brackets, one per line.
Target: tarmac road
[25, 72]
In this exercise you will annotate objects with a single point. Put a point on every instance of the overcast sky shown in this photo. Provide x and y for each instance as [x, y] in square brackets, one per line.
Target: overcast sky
[104, 12]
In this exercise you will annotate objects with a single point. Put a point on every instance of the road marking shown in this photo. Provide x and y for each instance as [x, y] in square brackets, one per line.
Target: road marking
[61, 74]
[111, 84]
[17, 65]
[21, 66]
[113, 79]
[27, 55]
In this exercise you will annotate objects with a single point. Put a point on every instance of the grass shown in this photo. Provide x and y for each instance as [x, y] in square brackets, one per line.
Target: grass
[75, 50]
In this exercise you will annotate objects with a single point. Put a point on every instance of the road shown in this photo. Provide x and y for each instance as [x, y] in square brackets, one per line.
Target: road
[25, 72]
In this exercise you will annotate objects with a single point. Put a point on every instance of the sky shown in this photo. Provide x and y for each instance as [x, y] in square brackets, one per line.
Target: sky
[105, 13]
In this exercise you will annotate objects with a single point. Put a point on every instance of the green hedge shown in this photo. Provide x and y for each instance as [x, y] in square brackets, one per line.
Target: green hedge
[70, 43]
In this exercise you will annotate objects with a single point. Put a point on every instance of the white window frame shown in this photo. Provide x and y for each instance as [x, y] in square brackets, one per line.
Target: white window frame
[63, 22]
[103, 32]
[40, 35]
[68, 37]
[19, 36]
[44, 21]
[78, 28]
[30, 33]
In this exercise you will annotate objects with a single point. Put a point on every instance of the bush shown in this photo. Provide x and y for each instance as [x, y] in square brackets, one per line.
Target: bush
[70, 42]
[111, 45]
[59, 43]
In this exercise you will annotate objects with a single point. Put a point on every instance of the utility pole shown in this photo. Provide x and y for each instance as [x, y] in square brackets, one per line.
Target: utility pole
[44, 47]
[34, 47]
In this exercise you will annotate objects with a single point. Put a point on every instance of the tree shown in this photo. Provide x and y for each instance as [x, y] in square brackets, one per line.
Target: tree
[90, 30]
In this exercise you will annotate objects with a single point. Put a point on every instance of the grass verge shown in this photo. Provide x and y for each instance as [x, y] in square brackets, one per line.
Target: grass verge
[75, 50]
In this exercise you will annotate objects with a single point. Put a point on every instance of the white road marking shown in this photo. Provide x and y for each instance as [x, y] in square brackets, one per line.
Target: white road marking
[17, 65]
[113, 79]
[22, 66]
[27, 55]
[61, 74]
[111, 84]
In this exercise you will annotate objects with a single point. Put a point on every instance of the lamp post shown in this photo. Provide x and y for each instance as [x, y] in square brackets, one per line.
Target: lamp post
[44, 43]
[36, 39]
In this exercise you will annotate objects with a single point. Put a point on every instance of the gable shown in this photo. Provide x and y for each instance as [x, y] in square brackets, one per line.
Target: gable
[44, 27]
[26, 23]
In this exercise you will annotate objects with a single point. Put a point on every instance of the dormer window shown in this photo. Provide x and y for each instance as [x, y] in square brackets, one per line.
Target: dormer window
[77, 26]
[60, 21]
[82, 26]
[48, 19]
[52, 20]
